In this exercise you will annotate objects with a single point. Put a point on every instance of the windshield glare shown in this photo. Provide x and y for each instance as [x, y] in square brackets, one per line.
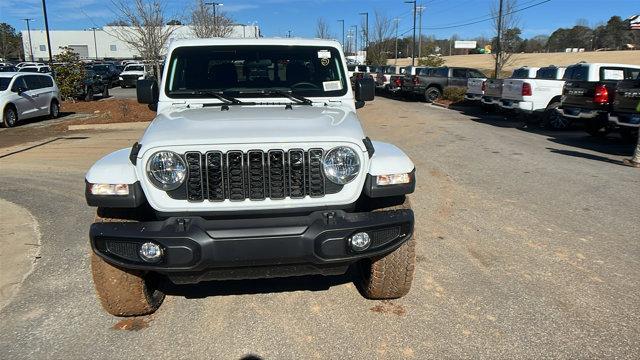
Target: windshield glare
[247, 71]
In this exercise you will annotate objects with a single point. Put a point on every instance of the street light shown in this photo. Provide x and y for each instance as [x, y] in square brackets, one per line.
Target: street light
[342, 21]
[29, 35]
[397, 20]
[356, 37]
[413, 50]
[95, 43]
[366, 31]
[46, 29]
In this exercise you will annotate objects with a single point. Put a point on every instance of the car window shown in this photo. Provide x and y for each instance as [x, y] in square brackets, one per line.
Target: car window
[520, 74]
[33, 82]
[440, 72]
[476, 74]
[19, 83]
[390, 70]
[4, 83]
[29, 69]
[549, 73]
[459, 73]
[46, 81]
[576, 72]
[134, 68]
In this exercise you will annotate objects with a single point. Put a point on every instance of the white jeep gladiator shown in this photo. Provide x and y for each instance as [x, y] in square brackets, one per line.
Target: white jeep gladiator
[255, 166]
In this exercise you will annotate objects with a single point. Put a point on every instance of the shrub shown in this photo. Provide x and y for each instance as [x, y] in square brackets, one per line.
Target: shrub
[69, 73]
[454, 93]
[431, 60]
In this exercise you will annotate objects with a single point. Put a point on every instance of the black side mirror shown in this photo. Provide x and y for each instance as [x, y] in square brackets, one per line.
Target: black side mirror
[20, 90]
[147, 91]
[365, 89]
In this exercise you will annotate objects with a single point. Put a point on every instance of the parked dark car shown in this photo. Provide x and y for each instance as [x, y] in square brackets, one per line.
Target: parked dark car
[93, 84]
[590, 91]
[625, 114]
[8, 69]
[109, 73]
[430, 82]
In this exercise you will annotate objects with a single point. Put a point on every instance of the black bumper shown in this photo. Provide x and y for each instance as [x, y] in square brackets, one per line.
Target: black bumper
[197, 249]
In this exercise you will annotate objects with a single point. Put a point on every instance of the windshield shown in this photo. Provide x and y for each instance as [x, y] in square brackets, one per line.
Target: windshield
[134, 68]
[29, 69]
[100, 69]
[4, 83]
[520, 74]
[247, 70]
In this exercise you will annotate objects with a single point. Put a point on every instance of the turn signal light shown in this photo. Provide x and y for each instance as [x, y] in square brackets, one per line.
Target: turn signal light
[395, 179]
[110, 189]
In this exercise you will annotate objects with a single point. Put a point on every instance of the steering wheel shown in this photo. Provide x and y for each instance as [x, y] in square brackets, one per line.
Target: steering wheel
[305, 84]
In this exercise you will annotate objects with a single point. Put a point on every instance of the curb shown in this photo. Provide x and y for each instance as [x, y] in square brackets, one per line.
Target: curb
[111, 126]
[440, 105]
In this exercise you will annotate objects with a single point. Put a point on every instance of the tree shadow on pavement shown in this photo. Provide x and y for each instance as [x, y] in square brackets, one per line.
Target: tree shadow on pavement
[256, 286]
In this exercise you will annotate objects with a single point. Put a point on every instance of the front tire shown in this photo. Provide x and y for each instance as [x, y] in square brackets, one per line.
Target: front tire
[389, 276]
[54, 110]
[124, 292]
[432, 94]
[10, 117]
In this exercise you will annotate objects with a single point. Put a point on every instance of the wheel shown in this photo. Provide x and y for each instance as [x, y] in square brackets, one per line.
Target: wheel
[432, 94]
[88, 94]
[389, 276]
[54, 109]
[124, 292]
[552, 120]
[10, 117]
[105, 92]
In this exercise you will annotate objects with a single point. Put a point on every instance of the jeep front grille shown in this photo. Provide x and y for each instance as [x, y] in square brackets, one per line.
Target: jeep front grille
[254, 175]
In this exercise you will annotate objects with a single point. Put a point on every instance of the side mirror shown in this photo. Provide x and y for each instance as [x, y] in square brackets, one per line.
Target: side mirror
[20, 90]
[365, 89]
[147, 91]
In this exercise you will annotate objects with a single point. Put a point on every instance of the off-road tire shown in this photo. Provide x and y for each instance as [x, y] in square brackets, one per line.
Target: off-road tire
[105, 92]
[124, 292]
[88, 96]
[54, 109]
[9, 113]
[432, 94]
[389, 276]
[552, 120]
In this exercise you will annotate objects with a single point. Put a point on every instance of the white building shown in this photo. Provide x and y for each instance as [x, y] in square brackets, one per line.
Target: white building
[105, 44]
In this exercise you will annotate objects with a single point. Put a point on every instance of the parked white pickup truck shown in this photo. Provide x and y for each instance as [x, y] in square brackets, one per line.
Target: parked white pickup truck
[538, 97]
[475, 89]
[493, 87]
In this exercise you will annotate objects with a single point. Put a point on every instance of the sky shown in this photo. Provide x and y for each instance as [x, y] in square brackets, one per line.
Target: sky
[277, 17]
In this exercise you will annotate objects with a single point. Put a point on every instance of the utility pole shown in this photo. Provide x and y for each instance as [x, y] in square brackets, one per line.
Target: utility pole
[46, 29]
[498, 43]
[215, 18]
[95, 43]
[395, 62]
[413, 49]
[289, 33]
[29, 36]
[356, 40]
[342, 22]
[420, 8]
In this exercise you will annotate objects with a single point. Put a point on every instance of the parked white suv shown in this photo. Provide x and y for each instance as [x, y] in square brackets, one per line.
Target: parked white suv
[27, 95]
[255, 166]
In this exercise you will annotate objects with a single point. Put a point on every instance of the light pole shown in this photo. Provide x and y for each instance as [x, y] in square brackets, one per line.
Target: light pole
[46, 29]
[214, 4]
[29, 36]
[342, 22]
[498, 47]
[395, 62]
[413, 49]
[356, 39]
[366, 31]
[420, 9]
[95, 43]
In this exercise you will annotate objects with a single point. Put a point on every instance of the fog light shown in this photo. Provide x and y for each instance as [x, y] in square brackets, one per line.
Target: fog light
[360, 241]
[151, 252]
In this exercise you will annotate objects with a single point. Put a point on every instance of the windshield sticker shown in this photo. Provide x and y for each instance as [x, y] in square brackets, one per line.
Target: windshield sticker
[324, 54]
[324, 62]
[332, 85]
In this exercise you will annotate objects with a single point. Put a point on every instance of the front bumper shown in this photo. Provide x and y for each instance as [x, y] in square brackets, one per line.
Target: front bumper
[194, 247]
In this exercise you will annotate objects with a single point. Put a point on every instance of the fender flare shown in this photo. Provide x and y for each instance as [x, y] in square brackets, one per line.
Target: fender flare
[115, 168]
[389, 159]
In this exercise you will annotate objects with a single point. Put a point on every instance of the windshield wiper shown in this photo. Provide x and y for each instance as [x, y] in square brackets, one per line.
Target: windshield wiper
[229, 100]
[297, 98]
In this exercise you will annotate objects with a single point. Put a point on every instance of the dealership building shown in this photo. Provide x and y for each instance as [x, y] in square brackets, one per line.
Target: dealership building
[103, 43]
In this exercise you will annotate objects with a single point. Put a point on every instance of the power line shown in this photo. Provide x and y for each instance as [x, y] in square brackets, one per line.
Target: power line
[487, 19]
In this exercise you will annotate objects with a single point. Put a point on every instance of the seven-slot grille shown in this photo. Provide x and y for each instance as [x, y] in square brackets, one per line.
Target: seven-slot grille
[255, 175]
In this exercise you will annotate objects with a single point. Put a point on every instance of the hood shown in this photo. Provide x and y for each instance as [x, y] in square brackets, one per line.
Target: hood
[253, 125]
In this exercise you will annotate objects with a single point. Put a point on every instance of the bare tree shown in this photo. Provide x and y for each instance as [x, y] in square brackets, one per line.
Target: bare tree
[146, 33]
[508, 21]
[322, 29]
[380, 39]
[206, 25]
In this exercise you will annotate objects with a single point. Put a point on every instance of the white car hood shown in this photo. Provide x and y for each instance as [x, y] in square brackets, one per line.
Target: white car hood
[138, 73]
[253, 125]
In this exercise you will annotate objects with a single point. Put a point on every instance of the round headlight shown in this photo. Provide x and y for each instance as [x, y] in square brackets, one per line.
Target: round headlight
[341, 165]
[166, 170]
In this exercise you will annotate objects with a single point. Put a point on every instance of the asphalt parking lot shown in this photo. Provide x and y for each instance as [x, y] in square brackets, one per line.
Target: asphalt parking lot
[527, 248]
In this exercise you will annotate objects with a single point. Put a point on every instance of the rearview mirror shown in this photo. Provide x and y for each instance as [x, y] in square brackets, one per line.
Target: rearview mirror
[365, 89]
[147, 91]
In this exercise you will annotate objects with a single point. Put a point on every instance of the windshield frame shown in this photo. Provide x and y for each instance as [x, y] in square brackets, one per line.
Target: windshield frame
[264, 91]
